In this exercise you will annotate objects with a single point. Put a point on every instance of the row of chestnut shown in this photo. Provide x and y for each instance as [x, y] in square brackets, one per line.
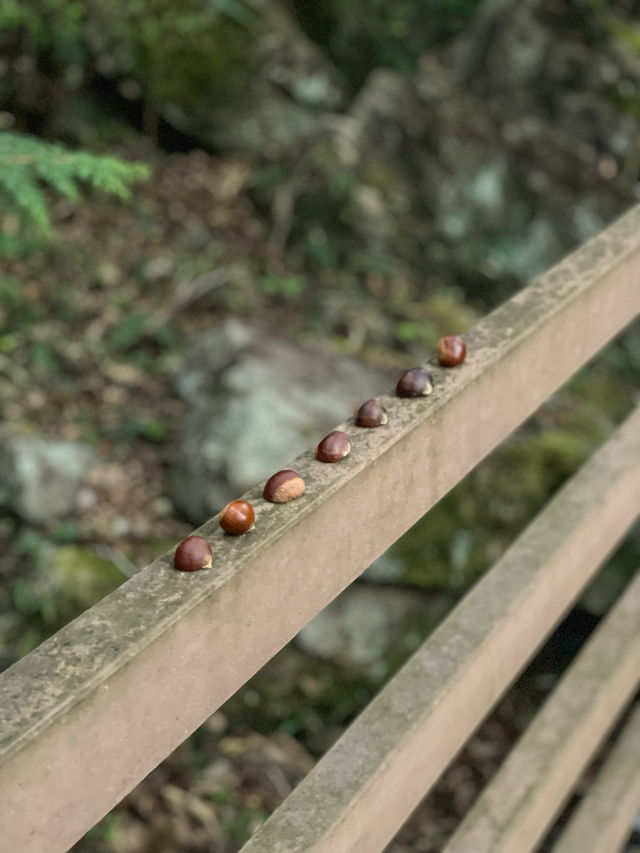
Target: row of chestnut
[194, 552]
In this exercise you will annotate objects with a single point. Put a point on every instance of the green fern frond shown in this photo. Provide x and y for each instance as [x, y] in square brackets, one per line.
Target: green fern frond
[28, 165]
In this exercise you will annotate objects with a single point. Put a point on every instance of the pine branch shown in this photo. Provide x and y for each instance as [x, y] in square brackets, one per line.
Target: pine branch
[28, 165]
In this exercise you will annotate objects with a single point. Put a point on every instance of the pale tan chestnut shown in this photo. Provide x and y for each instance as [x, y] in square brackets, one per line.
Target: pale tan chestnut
[193, 553]
[283, 486]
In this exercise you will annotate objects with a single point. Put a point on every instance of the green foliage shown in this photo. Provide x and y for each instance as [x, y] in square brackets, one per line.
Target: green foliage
[127, 332]
[108, 830]
[178, 55]
[28, 165]
[20, 311]
[233, 9]
[119, 36]
[244, 823]
[287, 287]
[149, 429]
[362, 36]
[50, 27]
[63, 581]
[469, 528]
[320, 696]
[50, 24]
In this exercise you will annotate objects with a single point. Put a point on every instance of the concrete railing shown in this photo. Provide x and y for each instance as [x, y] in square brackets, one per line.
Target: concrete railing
[92, 710]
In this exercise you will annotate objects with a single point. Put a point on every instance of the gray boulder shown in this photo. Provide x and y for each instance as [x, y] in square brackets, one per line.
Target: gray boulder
[256, 402]
[39, 477]
[367, 626]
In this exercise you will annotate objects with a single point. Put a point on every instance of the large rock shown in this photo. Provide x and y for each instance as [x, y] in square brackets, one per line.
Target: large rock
[491, 159]
[256, 402]
[60, 582]
[367, 626]
[245, 77]
[40, 477]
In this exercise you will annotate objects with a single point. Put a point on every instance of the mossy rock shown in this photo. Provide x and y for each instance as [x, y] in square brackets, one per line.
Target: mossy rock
[215, 71]
[79, 577]
[66, 580]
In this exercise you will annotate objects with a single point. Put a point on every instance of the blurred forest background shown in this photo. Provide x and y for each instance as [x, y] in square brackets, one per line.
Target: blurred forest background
[305, 188]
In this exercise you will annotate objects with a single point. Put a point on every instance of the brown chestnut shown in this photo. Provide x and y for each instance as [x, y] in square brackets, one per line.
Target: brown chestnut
[193, 553]
[451, 350]
[333, 447]
[237, 517]
[371, 414]
[416, 382]
[283, 486]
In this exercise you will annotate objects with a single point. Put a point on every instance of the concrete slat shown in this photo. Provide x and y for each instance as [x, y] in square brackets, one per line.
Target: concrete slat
[362, 790]
[603, 819]
[530, 789]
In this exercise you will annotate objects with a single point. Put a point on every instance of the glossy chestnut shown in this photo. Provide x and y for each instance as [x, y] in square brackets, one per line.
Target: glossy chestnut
[283, 486]
[237, 517]
[193, 553]
[451, 350]
[416, 382]
[333, 447]
[371, 414]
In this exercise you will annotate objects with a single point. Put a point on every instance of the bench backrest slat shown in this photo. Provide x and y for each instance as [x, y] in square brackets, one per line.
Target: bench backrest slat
[362, 790]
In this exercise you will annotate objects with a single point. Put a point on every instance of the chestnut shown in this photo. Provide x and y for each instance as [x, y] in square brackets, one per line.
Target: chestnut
[371, 414]
[283, 486]
[451, 350]
[193, 553]
[237, 517]
[416, 382]
[333, 447]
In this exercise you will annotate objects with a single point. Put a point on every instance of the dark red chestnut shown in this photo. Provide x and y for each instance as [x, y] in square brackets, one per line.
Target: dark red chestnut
[237, 517]
[371, 414]
[416, 382]
[451, 350]
[193, 553]
[283, 486]
[333, 447]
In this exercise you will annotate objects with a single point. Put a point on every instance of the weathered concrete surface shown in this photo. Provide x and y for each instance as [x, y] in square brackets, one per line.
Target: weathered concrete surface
[369, 782]
[91, 711]
[532, 785]
[604, 817]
